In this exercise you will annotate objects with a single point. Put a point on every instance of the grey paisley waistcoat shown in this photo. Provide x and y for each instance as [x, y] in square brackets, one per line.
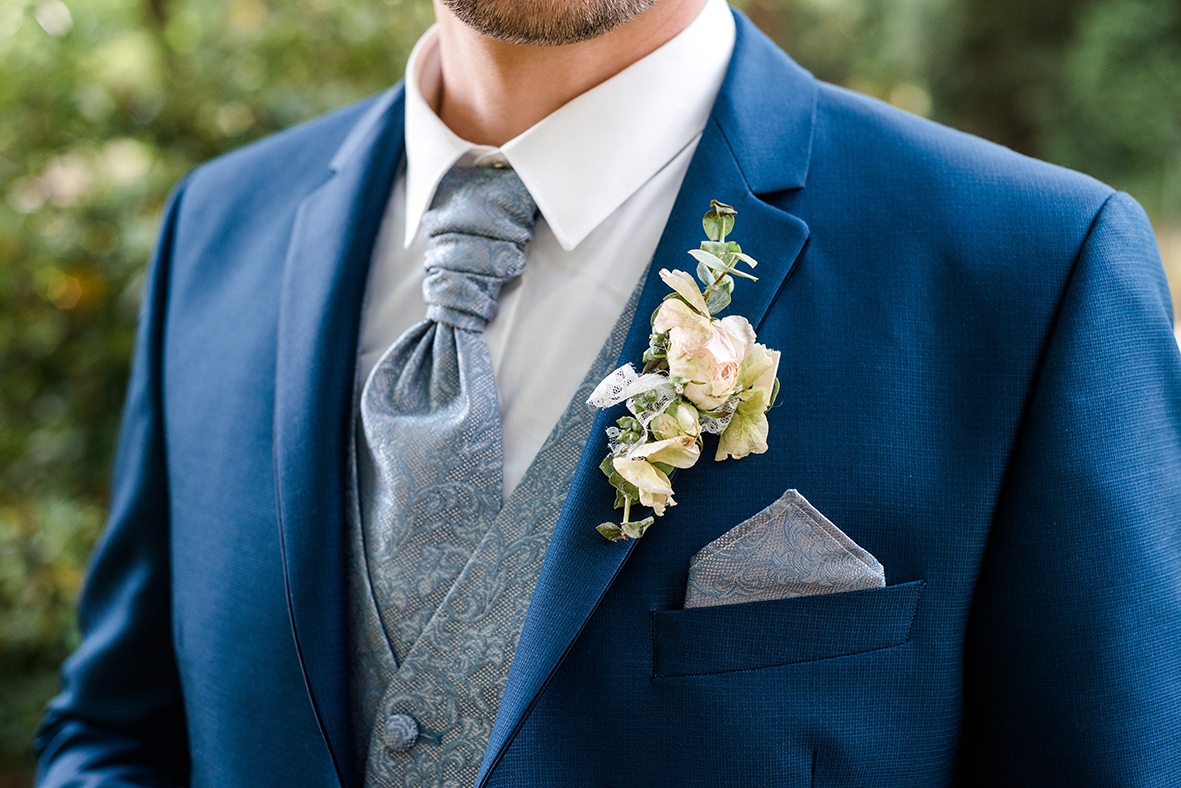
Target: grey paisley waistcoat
[451, 678]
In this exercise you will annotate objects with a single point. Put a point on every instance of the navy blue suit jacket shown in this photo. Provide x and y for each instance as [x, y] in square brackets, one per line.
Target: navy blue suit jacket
[980, 386]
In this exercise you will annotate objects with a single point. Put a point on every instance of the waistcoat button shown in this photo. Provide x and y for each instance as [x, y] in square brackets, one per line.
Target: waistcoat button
[401, 732]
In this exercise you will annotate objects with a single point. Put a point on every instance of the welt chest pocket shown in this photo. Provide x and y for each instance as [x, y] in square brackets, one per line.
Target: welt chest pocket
[764, 634]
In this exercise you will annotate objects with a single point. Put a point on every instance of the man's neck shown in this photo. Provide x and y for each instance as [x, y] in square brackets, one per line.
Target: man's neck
[492, 90]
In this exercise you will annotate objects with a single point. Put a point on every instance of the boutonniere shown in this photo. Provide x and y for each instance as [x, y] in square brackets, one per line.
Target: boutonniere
[701, 374]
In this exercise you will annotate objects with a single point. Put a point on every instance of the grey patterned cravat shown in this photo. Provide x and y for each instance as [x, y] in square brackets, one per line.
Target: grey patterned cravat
[430, 410]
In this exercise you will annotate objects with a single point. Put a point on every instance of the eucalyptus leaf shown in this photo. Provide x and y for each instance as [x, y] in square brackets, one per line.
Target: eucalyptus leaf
[774, 394]
[624, 488]
[711, 261]
[746, 259]
[607, 466]
[637, 529]
[718, 248]
[719, 221]
[705, 275]
[713, 226]
[718, 299]
[610, 531]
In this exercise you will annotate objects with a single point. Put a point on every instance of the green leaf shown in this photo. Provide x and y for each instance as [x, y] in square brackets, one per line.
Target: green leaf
[711, 261]
[719, 221]
[624, 489]
[719, 298]
[634, 530]
[705, 276]
[746, 259]
[607, 467]
[774, 393]
[717, 248]
[713, 224]
[610, 531]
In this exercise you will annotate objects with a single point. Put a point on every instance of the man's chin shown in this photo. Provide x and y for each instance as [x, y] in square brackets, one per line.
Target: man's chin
[546, 23]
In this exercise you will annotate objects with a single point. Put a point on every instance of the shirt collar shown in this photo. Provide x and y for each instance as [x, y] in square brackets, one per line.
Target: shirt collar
[589, 156]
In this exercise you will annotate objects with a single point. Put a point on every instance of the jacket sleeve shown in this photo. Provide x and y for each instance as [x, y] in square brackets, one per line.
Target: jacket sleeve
[1073, 649]
[119, 719]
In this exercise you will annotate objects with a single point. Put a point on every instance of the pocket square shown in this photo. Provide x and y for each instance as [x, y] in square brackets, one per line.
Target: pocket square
[788, 549]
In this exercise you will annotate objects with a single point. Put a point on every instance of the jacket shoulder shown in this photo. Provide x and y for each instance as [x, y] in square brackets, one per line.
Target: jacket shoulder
[951, 174]
[284, 164]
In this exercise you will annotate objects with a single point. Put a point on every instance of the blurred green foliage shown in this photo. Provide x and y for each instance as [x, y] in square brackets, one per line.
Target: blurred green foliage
[104, 104]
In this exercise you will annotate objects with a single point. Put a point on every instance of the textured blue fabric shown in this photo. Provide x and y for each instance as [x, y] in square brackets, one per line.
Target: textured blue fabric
[434, 460]
[985, 394]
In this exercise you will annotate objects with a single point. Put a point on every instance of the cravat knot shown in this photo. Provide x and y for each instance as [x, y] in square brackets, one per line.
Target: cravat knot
[478, 226]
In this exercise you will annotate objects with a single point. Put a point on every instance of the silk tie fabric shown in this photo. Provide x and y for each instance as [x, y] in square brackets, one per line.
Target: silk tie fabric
[429, 409]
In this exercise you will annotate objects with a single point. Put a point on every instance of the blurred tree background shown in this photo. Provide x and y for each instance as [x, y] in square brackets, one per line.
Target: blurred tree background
[104, 104]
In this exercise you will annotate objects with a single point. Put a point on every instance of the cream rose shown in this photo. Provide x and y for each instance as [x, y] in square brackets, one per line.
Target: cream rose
[712, 367]
[677, 421]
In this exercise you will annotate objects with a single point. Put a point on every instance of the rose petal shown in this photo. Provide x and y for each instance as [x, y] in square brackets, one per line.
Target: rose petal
[739, 328]
[686, 287]
[731, 338]
[645, 476]
[679, 452]
[664, 426]
[687, 330]
[688, 419]
[766, 381]
[656, 502]
[755, 366]
[699, 394]
[687, 367]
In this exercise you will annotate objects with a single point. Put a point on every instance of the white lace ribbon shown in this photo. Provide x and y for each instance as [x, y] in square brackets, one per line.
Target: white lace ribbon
[624, 383]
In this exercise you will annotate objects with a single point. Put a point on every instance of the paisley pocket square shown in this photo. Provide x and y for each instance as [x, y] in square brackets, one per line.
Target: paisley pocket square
[788, 549]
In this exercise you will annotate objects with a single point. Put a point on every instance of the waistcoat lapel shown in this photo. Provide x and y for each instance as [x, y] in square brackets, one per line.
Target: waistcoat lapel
[758, 140]
[321, 296]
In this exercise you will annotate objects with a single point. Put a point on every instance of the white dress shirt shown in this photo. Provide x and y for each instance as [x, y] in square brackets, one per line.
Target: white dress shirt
[604, 170]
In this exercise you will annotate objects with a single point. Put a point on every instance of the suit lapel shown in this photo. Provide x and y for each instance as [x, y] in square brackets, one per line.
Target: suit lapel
[758, 140]
[321, 296]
